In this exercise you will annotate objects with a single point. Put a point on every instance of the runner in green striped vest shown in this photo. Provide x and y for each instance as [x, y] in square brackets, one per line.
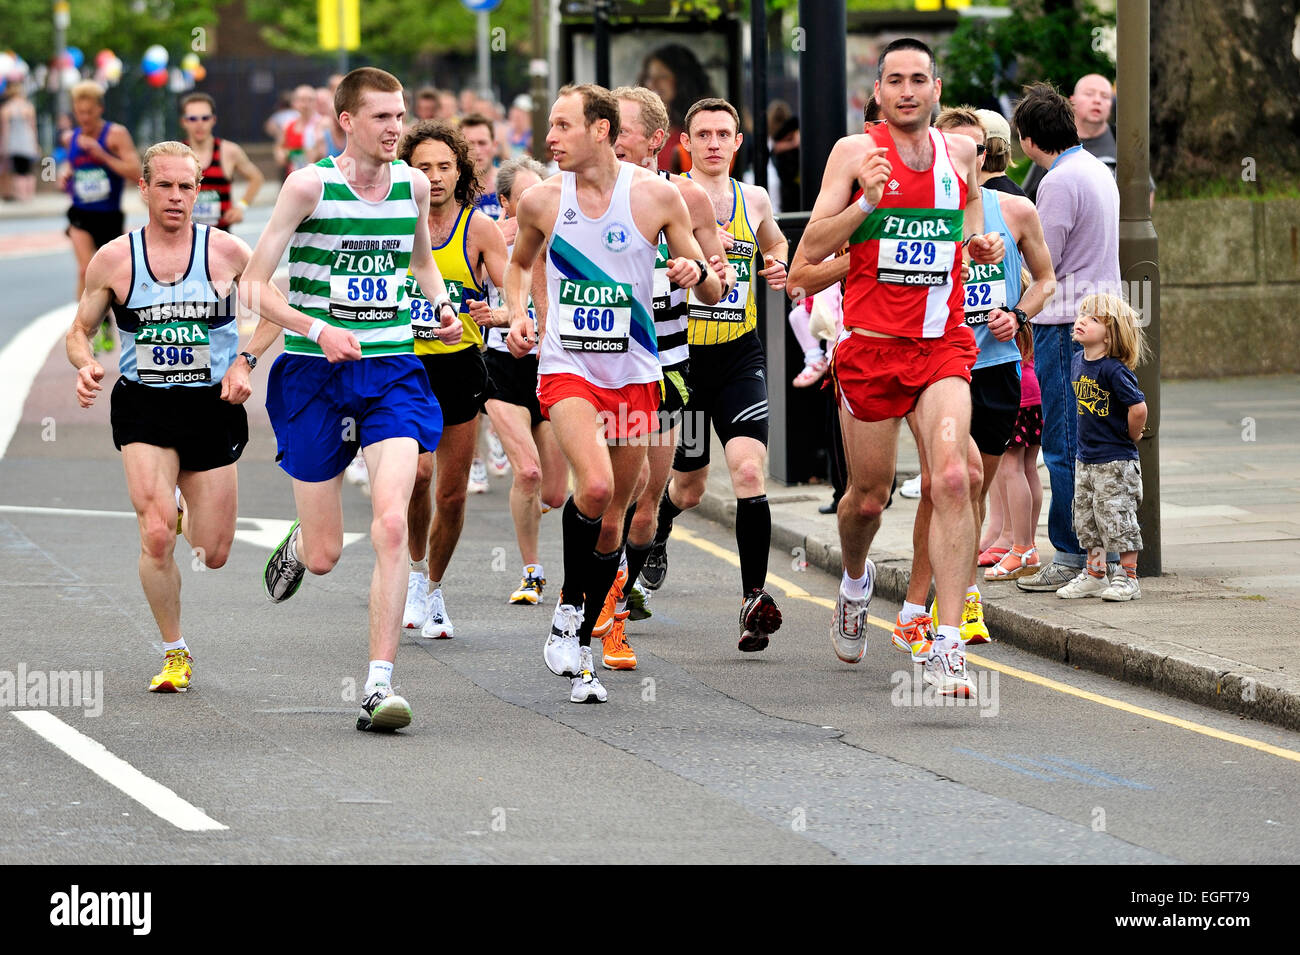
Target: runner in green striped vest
[349, 377]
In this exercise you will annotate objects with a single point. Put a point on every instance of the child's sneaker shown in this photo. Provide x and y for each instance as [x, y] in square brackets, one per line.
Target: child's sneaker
[1084, 585]
[1122, 587]
[812, 373]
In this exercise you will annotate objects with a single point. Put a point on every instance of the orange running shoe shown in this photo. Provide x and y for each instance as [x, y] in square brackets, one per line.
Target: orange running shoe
[618, 652]
[914, 637]
[606, 619]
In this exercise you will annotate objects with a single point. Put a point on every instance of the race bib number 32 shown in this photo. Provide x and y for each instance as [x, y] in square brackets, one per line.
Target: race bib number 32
[986, 290]
[595, 316]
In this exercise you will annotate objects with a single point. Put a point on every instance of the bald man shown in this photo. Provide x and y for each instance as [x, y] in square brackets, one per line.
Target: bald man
[1092, 101]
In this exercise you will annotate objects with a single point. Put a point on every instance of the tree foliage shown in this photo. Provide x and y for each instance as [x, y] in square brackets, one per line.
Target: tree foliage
[127, 27]
[985, 58]
[396, 29]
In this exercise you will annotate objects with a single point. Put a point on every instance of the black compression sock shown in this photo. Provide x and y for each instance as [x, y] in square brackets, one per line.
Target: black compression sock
[668, 512]
[753, 539]
[603, 570]
[580, 535]
[627, 521]
[635, 561]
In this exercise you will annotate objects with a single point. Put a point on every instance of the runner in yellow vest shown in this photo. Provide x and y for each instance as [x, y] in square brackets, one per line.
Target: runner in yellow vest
[468, 249]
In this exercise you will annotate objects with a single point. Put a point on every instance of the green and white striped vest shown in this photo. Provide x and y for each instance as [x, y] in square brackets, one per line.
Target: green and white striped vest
[348, 262]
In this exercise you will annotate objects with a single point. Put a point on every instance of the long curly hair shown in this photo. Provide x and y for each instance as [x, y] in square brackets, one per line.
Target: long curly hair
[468, 187]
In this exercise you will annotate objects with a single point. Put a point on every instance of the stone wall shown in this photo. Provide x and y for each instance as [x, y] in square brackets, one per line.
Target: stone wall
[1230, 280]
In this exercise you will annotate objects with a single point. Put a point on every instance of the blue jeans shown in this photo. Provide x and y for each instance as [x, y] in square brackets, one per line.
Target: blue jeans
[1054, 348]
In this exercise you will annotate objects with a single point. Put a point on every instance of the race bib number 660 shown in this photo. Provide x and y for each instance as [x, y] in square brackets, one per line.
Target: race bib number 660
[595, 316]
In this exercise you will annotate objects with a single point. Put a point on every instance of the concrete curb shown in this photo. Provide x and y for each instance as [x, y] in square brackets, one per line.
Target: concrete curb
[1166, 667]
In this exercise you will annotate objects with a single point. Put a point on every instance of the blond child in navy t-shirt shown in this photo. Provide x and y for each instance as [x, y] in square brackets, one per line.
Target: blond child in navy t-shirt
[1112, 412]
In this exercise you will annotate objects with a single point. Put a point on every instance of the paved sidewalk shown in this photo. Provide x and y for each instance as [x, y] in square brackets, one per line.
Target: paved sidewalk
[1219, 627]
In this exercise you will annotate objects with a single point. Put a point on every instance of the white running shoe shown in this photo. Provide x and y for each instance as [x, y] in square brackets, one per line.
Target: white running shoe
[498, 463]
[849, 628]
[946, 670]
[562, 652]
[417, 601]
[358, 474]
[911, 487]
[383, 710]
[584, 687]
[1084, 585]
[1122, 587]
[478, 479]
[438, 626]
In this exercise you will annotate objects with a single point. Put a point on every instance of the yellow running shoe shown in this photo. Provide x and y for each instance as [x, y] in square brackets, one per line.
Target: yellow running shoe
[913, 637]
[973, 629]
[178, 667]
[618, 653]
[612, 599]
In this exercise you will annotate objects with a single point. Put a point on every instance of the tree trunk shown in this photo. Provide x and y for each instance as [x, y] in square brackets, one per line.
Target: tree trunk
[1225, 92]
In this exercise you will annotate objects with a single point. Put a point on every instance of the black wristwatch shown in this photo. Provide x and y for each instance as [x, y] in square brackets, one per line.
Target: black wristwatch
[252, 362]
[1021, 318]
[704, 270]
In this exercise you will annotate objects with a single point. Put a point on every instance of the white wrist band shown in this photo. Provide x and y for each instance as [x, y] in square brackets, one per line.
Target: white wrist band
[865, 206]
[317, 327]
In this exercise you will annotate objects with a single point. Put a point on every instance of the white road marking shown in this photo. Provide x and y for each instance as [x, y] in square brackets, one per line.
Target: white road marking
[21, 361]
[154, 796]
[267, 532]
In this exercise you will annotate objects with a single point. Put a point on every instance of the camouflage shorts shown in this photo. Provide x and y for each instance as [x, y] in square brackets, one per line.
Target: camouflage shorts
[1106, 499]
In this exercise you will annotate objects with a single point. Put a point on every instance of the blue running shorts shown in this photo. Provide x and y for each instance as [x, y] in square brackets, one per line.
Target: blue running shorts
[322, 413]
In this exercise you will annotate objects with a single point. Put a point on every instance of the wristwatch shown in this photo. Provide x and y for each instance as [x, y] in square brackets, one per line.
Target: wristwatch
[1021, 318]
[252, 361]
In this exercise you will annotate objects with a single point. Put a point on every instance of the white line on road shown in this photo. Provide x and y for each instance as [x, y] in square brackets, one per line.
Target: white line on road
[266, 532]
[21, 361]
[154, 796]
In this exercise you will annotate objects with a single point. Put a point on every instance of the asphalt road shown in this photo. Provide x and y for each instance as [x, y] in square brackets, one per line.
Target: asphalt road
[703, 754]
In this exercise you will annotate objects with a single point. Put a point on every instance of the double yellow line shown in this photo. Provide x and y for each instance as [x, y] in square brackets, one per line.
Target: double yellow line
[796, 592]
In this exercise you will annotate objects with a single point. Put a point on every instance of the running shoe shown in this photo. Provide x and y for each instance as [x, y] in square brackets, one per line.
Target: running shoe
[1051, 577]
[973, 628]
[911, 487]
[103, 340]
[178, 668]
[417, 601]
[605, 622]
[638, 603]
[1084, 585]
[1122, 587]
[282, 575]
[498, 463]
[914, 636]
[946, 670]
[561, 650]
[655, 568]
[438, 626]
[384, 711]
[849, 628]
[478, 479]
[584, 687]
[759, 617]
[530, 589]
[357, 473]
[618, 653]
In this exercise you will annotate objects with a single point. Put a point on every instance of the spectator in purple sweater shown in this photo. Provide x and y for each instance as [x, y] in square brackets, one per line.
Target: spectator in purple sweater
[1078, 204]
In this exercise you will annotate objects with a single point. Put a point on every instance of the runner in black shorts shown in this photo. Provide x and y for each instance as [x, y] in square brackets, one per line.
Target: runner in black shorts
[469, 250]
[177, 411]
[101, 158]
[540, 473]
[728, 368]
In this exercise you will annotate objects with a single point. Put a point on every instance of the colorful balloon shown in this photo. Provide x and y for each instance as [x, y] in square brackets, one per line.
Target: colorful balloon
[76, 56]
[155, 58]
[199, 72]
[156, 78]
